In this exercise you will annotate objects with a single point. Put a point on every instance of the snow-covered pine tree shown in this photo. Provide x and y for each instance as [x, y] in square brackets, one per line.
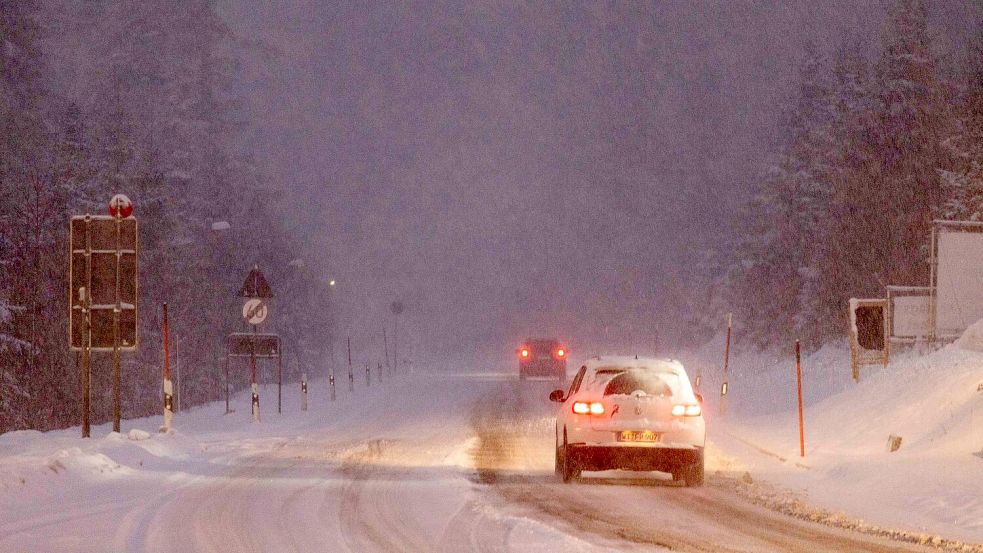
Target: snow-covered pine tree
[783, 226]
[963, 182]
[911, 126]
[852, 215]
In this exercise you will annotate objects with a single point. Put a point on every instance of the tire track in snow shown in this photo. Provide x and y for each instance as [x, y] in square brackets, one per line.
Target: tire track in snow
[711, 519]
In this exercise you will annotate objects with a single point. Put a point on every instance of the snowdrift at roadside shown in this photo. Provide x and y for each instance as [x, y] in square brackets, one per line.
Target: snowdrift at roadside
[972, 339]
[933, 402]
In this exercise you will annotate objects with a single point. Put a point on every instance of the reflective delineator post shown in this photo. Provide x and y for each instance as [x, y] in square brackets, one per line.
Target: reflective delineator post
[331, 382]
[368, 376]
[227, 409]
[351, 375]
[255, 386]
[168, 386]
[378, 370]
[723, 387]
[385, 344]
[798, 375]
[303, 392]
[279, 380]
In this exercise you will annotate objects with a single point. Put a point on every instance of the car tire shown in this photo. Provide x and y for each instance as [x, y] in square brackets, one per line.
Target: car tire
[693, 474]
[568, 467]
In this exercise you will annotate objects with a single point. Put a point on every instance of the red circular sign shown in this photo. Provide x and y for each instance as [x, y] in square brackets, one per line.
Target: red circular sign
[122, 205]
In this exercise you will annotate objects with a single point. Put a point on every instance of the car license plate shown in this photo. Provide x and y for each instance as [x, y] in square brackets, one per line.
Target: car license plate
[639, 436]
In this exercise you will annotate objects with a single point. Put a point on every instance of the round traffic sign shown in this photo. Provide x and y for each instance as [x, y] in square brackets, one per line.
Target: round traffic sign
[122, 205]
[254, 311]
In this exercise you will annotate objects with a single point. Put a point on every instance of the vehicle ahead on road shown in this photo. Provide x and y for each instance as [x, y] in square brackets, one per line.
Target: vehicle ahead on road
[631, 414]
[543, 357]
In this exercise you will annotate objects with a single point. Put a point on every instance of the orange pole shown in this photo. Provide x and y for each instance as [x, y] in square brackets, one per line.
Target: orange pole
[798, 374]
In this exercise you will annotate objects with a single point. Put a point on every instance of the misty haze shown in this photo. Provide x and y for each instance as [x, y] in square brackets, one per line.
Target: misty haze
[491, 276]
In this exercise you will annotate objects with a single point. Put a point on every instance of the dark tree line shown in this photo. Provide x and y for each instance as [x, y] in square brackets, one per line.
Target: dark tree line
[111, 96]
[875, 147]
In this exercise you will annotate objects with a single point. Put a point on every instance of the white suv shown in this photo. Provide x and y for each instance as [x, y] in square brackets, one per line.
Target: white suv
[632, 414]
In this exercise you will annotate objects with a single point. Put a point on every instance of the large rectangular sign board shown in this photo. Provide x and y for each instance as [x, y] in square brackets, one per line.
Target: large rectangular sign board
[958, 281]
[93, 280]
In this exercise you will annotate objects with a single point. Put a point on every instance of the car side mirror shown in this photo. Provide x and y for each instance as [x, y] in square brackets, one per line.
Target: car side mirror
[699, 398]
[557, 396]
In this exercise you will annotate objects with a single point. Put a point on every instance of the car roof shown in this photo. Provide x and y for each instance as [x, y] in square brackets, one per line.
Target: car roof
[668, 365]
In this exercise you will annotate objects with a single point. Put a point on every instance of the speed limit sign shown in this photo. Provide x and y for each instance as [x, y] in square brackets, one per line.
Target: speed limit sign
[254, 311]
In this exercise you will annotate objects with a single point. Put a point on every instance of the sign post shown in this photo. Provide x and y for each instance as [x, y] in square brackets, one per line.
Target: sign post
[255, 346]
[255, 289]
[103, 292]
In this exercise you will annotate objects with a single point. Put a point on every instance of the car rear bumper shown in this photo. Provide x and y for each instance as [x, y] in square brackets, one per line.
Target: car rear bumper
[665, 459]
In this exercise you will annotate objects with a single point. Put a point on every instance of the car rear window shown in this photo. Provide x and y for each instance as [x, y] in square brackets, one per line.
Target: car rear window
[543, 347]
[629, 381]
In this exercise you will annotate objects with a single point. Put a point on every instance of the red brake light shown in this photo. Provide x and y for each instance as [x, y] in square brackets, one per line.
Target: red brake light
[592, 408]
[691, 410]
[524, 353]
[561, 352]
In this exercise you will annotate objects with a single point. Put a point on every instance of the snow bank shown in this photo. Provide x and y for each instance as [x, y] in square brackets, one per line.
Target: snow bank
[972, 338]
[934, 402]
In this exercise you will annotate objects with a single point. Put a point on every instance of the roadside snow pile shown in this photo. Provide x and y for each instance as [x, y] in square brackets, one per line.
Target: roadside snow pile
[136, 435]
[934, 402]
[972, 339]
[31, 462]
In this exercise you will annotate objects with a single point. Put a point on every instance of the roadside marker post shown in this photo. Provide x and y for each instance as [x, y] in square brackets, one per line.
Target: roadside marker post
[368, 376]
[303, 392]
[378, 370]
[279, 383]
[351, 375]
[397, 309]
[168, 386]
[723, 387]
[798, 375]
[385, 345]
[227, 410]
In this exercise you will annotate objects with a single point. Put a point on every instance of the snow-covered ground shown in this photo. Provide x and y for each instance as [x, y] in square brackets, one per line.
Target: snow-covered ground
[931, 486]
[463, 462]
[389, 468]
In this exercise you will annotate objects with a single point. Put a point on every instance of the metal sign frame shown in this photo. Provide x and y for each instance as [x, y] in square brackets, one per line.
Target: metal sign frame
[860, 356]
[82, 248]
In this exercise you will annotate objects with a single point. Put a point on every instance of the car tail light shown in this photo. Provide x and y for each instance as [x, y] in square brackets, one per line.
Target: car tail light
[691, 410]
[561, 353]
[524, 353]
[591, 408]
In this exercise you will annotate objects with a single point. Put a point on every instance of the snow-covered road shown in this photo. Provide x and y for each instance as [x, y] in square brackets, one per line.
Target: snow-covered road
[422, 463]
